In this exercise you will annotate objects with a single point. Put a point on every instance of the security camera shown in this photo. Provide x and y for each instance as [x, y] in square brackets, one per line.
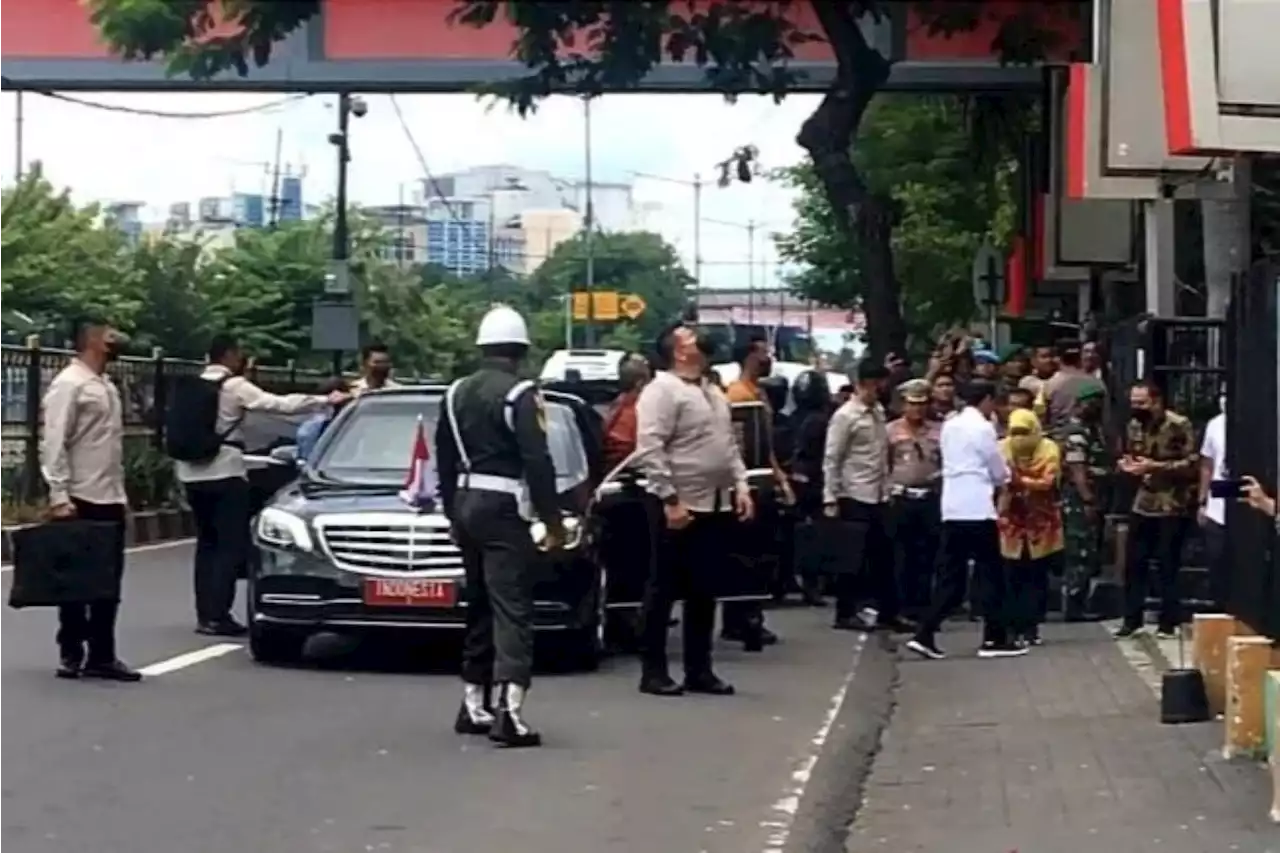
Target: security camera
[359, 107]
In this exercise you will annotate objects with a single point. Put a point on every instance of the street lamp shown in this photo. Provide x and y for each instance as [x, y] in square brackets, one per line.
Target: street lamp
[337, 280]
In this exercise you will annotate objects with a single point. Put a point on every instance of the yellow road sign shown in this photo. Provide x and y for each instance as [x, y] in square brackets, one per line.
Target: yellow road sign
[604, 305]
[632, 306]
[582, 306]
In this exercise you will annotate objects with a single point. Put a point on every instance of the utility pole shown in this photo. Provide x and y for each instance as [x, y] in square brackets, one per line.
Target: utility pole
[751, 271]
[590, 337]
[338, 280]
[273, 203]
[19, 166]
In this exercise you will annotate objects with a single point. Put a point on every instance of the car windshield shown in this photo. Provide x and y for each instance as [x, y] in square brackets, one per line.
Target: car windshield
[375, 444]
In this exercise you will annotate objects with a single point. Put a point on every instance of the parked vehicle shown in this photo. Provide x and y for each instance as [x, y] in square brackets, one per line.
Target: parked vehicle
[338, 550]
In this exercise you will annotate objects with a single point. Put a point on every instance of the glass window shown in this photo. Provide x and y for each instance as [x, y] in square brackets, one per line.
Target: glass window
[374, 445]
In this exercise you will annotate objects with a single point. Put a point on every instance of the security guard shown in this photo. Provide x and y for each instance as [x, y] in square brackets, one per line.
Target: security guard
[496, 474]
[915, 484]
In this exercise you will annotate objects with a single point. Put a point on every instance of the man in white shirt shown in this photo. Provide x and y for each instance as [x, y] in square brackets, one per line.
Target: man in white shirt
[218, 488]
[1213, 511]
[972, 470]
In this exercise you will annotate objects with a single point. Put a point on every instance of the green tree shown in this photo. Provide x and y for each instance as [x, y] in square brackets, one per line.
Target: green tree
[174, 283]
[744, 47]
[60, 261]
[640, 263]
[917, 152]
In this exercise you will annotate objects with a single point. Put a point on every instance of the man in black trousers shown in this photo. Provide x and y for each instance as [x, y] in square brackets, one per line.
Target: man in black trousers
[82, 460]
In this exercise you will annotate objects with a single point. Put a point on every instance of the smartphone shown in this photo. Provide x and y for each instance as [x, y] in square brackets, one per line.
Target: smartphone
[1226, 489]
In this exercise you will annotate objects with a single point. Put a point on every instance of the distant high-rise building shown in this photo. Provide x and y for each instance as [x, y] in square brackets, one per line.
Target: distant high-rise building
[248, 210]
[126, 216]
[458, 235]
[290, 199]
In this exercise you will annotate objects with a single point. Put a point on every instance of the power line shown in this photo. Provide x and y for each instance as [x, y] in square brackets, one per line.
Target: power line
[422, 161]
[117, 108]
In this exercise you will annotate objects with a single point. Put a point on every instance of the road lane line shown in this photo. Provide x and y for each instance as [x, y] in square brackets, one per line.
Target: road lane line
[183, 661]
[784, 810]
[135, 549]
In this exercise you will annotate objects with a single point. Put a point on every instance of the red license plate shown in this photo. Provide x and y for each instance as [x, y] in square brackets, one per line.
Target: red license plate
[409, 592]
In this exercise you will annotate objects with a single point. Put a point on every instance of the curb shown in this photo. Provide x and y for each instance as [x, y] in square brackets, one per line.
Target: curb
[149, 527]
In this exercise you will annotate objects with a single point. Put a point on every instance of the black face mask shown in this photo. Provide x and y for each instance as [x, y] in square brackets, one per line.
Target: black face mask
[766, 367]
[706, 345]
[380, 373]
[1143, 416]
[111, 350]
[1091, 413]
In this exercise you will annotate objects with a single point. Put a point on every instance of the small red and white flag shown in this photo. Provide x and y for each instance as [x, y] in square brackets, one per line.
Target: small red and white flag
[421, 486]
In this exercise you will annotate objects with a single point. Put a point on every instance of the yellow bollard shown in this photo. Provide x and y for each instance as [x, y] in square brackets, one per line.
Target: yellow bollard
[1248, 659]
[1209, 635]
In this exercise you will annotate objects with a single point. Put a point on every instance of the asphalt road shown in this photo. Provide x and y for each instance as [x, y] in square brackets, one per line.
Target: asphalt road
[355, 752]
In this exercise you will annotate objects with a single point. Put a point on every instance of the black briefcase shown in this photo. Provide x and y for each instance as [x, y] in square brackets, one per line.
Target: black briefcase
[65, 562]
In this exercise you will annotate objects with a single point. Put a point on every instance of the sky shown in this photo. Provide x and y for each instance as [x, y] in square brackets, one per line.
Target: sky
[106, 156]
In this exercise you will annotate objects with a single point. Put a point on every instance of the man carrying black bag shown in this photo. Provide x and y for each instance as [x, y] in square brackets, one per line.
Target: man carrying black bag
[82, 461]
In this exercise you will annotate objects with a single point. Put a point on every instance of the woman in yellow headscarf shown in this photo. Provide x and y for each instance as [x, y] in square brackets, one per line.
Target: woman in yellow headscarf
[1030, 521]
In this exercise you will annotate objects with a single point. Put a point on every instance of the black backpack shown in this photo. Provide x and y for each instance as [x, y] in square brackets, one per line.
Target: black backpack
[191, 423]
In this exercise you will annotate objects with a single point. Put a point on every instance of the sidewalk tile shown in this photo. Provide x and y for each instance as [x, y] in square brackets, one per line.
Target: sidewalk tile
[1060, 750]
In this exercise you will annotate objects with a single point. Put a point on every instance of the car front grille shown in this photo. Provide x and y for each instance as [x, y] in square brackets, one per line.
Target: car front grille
[389, 543]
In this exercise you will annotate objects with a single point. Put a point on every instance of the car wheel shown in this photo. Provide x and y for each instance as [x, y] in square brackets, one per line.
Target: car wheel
[276, 646]
[586, 643]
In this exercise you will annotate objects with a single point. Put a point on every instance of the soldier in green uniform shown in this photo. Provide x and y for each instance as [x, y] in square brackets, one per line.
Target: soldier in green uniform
[1086, 465]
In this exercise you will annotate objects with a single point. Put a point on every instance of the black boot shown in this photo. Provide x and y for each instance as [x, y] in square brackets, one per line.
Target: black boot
[509, 728]
[475, 714]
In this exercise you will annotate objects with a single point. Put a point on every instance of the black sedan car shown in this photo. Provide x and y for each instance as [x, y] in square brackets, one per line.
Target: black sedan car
[340, 551]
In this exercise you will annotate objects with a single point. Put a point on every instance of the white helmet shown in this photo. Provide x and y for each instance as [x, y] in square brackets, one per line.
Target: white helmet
[502, 325]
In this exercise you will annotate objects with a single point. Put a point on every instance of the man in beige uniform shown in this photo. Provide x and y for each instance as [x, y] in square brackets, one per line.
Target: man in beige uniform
[686, 448]
[82, 461]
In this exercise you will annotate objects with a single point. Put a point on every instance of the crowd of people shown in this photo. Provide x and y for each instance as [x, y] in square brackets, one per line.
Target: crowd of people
[985, 479]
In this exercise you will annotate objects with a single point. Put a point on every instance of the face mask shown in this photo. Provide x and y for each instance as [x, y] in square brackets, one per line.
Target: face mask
[766, 367]
[380, 372]
[1142, 416]
[111, 349]
[1024, 445]
[706, 346]
[1222, 404]
[1090, 413]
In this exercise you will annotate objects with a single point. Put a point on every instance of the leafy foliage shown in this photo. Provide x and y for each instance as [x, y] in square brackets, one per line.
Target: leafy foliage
[174, 292]
[591, 46]
[916, 151]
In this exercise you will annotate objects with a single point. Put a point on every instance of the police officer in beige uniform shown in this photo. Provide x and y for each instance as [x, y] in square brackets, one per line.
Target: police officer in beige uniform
[496, 475]
[915, 484]
[82, 460]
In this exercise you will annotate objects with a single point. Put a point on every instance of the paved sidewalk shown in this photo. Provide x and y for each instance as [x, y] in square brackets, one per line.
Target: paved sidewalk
[1060, 751]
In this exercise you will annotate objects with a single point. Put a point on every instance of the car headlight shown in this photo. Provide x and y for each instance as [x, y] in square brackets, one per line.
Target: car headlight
[282, 529]
[573, 529]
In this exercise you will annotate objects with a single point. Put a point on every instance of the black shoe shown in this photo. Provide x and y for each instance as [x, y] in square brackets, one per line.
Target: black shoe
[812, 598]
[927, 649]
[897, 626]
[1124, 632]
[1002, 650]
[70, 668]
[660, 685]
[222, 628]
[768, 637]
[114, 671]
[708, 683]
[853, 623]
[509, 728]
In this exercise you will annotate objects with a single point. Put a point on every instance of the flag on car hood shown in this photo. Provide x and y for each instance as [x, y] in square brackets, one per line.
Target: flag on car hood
[420, 487]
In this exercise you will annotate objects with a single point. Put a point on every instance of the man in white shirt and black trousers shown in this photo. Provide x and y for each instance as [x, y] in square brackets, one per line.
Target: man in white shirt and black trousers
[973, 469]
[204, 433]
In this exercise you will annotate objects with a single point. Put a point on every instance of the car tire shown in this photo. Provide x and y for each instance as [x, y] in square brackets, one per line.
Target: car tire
[275, 646]
[586, 643]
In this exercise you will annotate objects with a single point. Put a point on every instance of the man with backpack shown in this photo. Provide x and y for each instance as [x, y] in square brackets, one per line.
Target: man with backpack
[204, 434]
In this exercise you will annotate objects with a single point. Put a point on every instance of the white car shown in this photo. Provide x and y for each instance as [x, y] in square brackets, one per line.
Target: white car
[590, 364]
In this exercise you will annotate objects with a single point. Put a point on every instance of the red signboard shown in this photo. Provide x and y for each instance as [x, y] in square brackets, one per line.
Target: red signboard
[410, 45]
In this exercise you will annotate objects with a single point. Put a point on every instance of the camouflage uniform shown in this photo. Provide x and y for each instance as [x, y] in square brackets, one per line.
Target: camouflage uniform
[1082, 444]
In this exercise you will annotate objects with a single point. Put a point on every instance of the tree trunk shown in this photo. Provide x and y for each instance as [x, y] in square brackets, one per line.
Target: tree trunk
[865, 216]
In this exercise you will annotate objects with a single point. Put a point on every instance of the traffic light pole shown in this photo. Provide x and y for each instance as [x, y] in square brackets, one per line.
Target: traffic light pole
[341, 234]
[590, 336]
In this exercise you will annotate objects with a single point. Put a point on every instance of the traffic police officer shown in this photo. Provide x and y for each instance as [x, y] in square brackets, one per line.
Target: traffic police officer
[496, 475]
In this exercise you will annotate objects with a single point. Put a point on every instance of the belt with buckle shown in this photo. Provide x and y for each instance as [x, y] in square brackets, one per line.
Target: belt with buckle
[913, 493]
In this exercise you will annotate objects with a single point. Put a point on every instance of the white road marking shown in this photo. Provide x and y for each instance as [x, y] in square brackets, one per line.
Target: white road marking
[183, 661]
[785, 809]
[136, 549]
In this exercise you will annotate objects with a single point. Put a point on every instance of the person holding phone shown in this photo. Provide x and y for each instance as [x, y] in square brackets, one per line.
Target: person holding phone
[1159, 452]
[1257, 497]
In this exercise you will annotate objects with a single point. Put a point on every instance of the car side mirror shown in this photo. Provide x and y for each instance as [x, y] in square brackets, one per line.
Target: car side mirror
[285, 455]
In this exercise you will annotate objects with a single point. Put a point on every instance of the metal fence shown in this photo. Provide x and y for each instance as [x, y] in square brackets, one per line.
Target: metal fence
[145, 385]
